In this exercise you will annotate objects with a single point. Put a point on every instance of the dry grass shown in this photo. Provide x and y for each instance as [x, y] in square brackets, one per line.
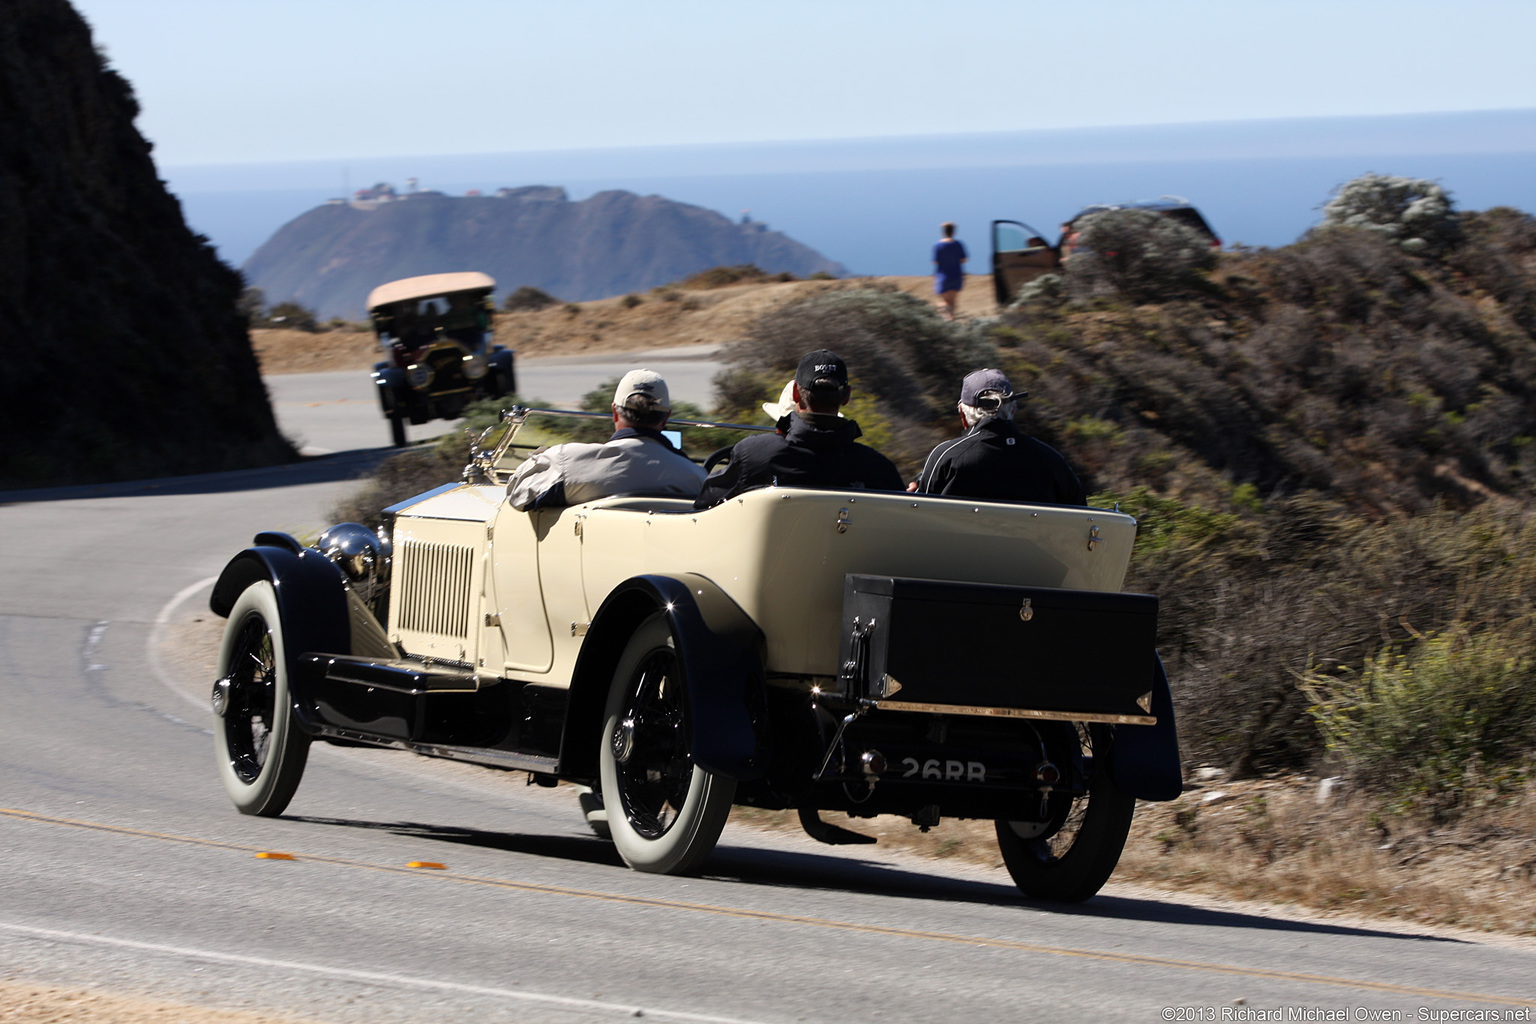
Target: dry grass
[1277, 840]
[288, 351]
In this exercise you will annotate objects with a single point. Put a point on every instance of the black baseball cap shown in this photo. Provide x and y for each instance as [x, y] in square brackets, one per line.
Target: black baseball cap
[821, 372]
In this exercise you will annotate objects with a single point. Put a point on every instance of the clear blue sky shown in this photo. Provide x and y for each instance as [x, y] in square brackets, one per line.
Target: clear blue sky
[240, 81]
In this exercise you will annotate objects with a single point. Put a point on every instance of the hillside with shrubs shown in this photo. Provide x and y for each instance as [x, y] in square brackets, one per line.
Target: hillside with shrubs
[1330, 447]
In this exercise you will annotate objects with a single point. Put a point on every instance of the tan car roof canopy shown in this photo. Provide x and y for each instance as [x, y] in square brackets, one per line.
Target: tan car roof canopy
[428, 285]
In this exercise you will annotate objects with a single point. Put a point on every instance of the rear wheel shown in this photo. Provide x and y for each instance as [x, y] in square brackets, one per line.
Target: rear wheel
[397, 430]
[1070, 856]
[261, 750]
[664, 812]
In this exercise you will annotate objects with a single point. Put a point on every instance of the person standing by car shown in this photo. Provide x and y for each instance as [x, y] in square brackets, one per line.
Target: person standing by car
[949, 258]
[817, 450]
[637, 459]
[994, 459]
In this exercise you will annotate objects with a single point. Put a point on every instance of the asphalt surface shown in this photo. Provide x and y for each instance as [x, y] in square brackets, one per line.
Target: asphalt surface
[125, 867]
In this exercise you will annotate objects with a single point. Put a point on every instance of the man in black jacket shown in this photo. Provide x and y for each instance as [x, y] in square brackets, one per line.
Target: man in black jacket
[818, 450]
[993, 459]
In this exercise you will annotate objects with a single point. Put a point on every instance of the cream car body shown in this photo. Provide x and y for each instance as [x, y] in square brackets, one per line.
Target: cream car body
[779, 553]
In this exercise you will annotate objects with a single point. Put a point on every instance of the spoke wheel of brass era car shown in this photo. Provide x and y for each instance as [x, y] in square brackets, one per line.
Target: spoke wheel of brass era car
[665, 813]
[1069, 856]
[261, 750]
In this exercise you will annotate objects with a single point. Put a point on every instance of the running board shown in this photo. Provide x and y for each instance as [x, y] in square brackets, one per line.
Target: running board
[490, 757]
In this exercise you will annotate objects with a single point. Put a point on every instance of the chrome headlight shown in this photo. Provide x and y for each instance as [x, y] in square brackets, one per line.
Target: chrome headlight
[357, 550]
[419, 375]
[476, 367]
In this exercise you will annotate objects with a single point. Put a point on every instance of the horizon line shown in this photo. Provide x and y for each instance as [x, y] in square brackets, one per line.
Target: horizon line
[993, 134]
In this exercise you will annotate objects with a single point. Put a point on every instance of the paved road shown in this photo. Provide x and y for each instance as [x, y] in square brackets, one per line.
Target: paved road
[334, 412]
[125, 866]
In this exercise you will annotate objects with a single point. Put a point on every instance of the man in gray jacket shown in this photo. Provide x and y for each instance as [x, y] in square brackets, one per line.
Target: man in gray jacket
[637, 459]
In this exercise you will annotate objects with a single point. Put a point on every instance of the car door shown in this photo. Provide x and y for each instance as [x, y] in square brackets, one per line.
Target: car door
[517, 630]
[1019, 255]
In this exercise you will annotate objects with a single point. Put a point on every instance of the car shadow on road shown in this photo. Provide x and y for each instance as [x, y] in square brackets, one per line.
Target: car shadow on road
[812, 871]
[587, 849]
[803, 870]
[318, 469]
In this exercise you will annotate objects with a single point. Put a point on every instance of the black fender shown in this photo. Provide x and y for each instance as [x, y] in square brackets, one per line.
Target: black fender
[311, 601]
[1146, 757]
[391, 384]
[720, 650]
[503, 376]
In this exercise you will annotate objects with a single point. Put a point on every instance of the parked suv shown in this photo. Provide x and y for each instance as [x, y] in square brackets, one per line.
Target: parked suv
[1020, 253]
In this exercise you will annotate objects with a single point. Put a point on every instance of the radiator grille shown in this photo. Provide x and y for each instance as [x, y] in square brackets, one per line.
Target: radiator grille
[435, 588]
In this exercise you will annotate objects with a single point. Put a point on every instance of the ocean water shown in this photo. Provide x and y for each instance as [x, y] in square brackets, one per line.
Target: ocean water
[875, 205]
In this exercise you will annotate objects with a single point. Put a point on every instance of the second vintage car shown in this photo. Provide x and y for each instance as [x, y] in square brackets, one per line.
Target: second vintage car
[435, 331]
[854, 652]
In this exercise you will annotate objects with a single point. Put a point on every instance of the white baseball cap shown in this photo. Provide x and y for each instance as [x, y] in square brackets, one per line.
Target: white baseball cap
[646, 383]
[784, 406]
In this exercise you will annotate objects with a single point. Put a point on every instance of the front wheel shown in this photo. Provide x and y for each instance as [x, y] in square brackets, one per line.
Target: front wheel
[664, 812]
[261, 749]
[1069, 857]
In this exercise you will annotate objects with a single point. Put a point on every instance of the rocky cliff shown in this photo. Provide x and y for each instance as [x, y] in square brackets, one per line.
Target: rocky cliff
[611, 243]
[125, 354]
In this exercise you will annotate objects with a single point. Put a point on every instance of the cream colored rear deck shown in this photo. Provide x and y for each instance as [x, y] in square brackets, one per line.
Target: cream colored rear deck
[780, 553]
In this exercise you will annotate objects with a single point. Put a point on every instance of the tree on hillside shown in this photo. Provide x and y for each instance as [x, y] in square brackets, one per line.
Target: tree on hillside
[253, 306]
[1415, 213]
[292, 316]
[529, 298]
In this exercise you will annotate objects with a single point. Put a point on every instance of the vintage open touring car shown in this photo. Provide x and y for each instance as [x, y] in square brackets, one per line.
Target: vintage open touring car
[827, 651]
[439, 349]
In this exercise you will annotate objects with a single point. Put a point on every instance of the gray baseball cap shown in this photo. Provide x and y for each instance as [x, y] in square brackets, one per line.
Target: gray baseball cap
[988, 385]
[646, 384]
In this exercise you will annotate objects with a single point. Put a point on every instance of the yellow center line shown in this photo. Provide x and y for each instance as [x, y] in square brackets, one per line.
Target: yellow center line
[814, 922]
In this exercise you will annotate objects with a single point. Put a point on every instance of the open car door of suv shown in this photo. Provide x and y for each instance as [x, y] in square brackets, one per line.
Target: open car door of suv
[1019, 255]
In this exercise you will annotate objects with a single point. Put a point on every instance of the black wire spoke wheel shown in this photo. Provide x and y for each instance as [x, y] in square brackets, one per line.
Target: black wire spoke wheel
[654, 778]
[1070, 855]
[665, 812]
[248, 722]
[260, 748]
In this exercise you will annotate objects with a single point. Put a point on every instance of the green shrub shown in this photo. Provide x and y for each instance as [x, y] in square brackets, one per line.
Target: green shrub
[1047, 288]
[528, 298]
[1142, 255]
[630, 301]
[1414, 213]
[1497, 258]
[1455, 713]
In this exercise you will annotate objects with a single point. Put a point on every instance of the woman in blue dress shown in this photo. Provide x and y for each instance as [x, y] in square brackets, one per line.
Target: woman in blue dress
[949, 256]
